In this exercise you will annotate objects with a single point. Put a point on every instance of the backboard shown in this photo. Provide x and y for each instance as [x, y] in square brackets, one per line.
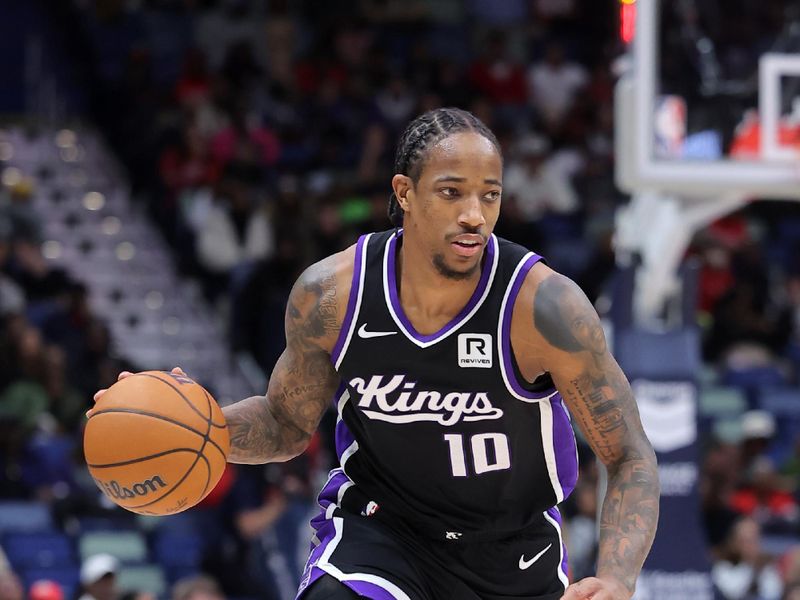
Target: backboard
[710, 105]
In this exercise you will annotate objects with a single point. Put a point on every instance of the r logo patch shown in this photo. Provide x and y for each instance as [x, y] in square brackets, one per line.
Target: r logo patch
[475, 350]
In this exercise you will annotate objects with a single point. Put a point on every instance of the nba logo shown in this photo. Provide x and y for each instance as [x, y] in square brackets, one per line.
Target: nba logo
[475, 350]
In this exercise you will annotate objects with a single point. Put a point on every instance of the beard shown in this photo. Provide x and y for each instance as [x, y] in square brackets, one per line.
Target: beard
[445, 271]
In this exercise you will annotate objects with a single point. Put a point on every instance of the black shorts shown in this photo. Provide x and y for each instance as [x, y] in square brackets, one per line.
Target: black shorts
[383, 562]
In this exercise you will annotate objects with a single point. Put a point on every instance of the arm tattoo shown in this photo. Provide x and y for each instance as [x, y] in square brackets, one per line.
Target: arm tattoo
[279, 425]
[600, 398]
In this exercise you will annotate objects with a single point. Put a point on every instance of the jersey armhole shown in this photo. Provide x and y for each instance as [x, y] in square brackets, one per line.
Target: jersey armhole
[543, 387]
[353, 302]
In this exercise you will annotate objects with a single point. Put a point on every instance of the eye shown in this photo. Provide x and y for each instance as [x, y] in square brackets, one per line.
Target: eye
[449, 192]
[492, 196]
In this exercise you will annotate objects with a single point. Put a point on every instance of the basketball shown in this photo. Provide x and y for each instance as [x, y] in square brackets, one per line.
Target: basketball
[156, 443]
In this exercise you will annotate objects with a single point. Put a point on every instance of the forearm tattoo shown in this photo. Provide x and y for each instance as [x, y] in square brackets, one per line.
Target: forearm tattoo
[603, 405]
[279, 425]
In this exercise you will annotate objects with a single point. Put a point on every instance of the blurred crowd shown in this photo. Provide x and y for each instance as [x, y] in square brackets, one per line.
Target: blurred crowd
[259, 136]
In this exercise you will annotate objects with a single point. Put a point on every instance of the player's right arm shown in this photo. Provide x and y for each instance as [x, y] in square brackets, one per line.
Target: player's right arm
[279, 425]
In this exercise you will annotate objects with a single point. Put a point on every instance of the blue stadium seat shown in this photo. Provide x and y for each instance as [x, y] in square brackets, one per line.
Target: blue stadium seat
[39, 550]
[127, 546]
[670, 355]
[784, 404]
[24, 516]
[752, 379]
[173, 549]
[142, 578]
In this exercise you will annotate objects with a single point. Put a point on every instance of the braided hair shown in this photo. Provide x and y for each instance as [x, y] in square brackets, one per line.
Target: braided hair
[422, 133]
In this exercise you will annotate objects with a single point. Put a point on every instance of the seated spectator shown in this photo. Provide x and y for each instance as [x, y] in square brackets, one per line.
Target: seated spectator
[743, 571]
[766, 497]
[237, 231]
[200, 587]
[245, 140]
[553, 85]
[99, 577]
[535, 184]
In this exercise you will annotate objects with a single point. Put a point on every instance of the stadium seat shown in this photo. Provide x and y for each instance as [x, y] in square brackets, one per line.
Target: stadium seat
[722, 402]
[178, 549]
[642, 353]
[127, 546]
[24, 516]
[752, 379]
[39, 550]
[783, 402]
[142, 578]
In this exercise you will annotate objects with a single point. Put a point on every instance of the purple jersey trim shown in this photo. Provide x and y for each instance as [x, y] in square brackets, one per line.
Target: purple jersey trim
[326, 534]
[355, 288]
[564, 446]
[477, 295]
[556, 515]
[344, 438]
[505, 330]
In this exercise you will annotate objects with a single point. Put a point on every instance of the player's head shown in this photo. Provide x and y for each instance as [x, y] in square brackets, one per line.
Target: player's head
[447, 184]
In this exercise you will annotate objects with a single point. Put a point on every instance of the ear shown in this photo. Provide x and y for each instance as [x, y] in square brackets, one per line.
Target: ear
[403, 189]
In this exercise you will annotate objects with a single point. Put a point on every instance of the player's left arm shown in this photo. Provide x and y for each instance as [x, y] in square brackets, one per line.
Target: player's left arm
[572, 347]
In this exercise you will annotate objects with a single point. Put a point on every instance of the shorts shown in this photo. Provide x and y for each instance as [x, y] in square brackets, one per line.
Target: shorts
[386, 562]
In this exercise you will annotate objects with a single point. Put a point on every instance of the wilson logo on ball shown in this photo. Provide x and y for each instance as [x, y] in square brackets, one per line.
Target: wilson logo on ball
[114, 490]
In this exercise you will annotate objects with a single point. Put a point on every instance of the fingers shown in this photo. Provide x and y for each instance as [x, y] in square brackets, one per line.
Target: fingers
[178, 371]
[99, 393]
[585, 589]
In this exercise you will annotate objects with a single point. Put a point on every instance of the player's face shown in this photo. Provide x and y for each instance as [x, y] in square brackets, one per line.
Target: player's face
[454, 205]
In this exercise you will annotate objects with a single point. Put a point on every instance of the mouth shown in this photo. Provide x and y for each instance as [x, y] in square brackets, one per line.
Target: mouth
[467, 245]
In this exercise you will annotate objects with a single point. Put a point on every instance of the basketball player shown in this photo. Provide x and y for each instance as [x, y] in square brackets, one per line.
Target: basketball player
[454, 359]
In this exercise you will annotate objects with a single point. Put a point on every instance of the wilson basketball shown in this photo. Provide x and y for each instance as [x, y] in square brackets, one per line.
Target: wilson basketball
[156, 443]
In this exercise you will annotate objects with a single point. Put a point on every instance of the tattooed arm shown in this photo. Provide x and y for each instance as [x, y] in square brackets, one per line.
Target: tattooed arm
[569, 343]
[278, 426]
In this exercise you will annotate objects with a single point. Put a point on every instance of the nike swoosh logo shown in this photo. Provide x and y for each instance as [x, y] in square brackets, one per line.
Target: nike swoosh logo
[363, 333]
[524, 564]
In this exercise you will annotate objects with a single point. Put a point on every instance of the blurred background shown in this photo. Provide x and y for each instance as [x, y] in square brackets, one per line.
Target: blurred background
[168, 168]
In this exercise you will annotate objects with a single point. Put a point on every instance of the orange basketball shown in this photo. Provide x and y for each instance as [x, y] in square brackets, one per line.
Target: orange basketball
[156, 443]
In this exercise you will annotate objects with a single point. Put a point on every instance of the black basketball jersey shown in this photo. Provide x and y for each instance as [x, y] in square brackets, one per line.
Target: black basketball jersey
[439, 430]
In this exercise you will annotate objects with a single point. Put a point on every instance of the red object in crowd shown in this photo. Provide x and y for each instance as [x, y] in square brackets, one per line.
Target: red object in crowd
[225, 143]
[778, 503]
[501, 82]
[44, 589]
[224, 485]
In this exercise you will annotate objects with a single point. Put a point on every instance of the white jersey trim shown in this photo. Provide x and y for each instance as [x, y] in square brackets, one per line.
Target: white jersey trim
[399, 322]
[548, 448]
[332, 570]
[563, 577]
[500, 351]
[357, 309]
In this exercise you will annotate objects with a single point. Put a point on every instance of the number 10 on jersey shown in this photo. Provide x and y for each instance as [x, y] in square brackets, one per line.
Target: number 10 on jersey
[489, 451]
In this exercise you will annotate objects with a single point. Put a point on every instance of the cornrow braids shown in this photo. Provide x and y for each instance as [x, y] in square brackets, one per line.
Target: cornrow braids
[425, 131]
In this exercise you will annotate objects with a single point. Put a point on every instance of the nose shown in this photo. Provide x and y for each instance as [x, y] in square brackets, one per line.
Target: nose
[471, 215]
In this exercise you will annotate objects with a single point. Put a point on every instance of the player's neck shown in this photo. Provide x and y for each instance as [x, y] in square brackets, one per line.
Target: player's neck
[429, 298]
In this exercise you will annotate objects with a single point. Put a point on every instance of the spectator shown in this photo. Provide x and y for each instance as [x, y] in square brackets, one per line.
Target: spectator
[199, 587]
[99, 577]
[498, 77]
[744, 572]
[553, 85]
[237, 231]
[535, 185]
